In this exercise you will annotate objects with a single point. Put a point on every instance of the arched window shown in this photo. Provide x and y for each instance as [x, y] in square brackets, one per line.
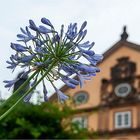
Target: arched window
[80, 98]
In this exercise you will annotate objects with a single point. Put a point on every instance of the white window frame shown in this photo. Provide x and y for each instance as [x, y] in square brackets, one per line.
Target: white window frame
[82, 121]
[122, 114]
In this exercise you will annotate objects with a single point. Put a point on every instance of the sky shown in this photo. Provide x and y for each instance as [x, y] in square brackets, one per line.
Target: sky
[105, 19]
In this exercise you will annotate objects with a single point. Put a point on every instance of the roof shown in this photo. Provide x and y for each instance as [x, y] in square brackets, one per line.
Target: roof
[119, 44]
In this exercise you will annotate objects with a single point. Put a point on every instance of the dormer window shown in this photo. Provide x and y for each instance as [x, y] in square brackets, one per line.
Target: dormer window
[122, 120]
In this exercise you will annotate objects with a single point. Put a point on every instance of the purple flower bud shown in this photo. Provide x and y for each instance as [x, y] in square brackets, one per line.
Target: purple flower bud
[62, 31]
[79, 36]
[72, 31]
[45, 92]
[47, 22]
[21, 36]
[33, 26]
[23, 31]
[82, 78]
[61, 96]
[94, 59]
[67, 69]
[27, 59]
[27, 35]
[83, 26]
[98, 57]
[14, 58]
[28, 97]
[18, 47]
[44, 30]
[39, 64]
[84, 34]
[56, 38]
[40, 50]
[86, 68]
[86, 45]
[11, 63]
[28, 32]
[88, 52]
[9, 83]
[34, 82]
[13, 66]
[72, 83]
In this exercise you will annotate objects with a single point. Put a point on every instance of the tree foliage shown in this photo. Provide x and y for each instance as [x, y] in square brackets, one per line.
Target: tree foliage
[43, 121]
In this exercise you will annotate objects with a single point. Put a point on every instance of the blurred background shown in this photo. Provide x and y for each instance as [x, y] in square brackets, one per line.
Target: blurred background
[105, 18]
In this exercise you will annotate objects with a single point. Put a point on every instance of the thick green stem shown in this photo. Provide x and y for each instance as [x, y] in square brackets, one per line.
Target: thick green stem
[30, 90]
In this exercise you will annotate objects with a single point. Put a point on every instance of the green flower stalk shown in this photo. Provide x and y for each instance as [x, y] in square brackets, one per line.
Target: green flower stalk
[48, 55]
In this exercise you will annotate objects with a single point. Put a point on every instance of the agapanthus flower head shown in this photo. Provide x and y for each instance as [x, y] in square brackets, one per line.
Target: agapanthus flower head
[43, 49]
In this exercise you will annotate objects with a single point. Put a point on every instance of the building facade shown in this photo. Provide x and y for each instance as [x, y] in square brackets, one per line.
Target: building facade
[109, 104]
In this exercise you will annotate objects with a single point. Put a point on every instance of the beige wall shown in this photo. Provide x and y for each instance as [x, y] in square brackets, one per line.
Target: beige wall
[93, 86]
[93, 121]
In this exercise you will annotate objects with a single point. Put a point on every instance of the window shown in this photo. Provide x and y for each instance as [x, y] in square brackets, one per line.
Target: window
[123, 119]
[123, 89]
[80, 121]
[80, 98]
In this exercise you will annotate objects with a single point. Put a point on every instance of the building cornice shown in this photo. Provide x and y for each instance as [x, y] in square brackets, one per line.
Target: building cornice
[108, 106]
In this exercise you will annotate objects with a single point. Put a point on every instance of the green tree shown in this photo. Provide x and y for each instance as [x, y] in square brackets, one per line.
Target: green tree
[43, 121]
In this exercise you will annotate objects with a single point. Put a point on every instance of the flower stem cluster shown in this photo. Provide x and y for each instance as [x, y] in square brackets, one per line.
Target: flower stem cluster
[53, 55]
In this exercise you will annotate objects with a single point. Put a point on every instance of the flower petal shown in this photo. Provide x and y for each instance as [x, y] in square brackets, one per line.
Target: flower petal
[47, 22]
[61, 96]
[18, 47]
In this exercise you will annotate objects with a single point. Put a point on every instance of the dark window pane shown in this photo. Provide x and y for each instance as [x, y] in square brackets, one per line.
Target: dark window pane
[126, 119]
[119, 120]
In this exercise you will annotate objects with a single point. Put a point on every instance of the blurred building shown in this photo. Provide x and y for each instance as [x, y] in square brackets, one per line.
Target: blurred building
[109, 104]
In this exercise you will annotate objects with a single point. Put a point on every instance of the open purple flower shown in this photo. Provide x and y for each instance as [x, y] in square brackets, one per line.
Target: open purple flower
[43, 49]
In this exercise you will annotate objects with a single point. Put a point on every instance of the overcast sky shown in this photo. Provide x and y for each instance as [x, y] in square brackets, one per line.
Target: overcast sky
[105, 21]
